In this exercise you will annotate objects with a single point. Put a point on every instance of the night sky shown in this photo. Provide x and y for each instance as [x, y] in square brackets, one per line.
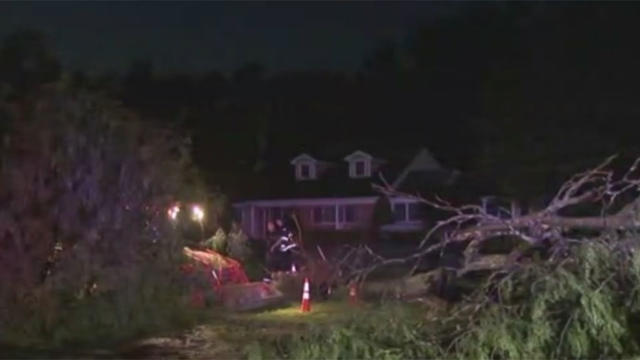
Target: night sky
[486, 86]
[199, 36]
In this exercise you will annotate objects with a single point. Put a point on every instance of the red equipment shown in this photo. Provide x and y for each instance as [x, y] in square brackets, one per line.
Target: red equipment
[218, 269]
[229, 282]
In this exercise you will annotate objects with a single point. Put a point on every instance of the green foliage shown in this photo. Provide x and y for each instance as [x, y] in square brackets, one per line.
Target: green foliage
[388, 332]
[584, 306]
[147, 303]
[218, 242]
[88, 251]
[235, 244]
[573, 309]
[238, 244]
[239, 248]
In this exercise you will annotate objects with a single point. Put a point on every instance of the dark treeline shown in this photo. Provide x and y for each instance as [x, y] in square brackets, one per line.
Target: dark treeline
[522, 93]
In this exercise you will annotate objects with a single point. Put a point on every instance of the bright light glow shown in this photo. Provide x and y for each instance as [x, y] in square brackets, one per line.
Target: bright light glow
[173, 212]
[197, 214]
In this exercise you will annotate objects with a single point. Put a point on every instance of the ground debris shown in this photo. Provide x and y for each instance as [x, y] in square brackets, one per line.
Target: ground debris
[204, 341]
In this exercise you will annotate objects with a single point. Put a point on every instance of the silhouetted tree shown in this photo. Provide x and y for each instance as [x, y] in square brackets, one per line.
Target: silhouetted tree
[26, 61]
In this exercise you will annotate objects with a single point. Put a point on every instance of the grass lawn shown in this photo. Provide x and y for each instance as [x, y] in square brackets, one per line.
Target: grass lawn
[322, 312]
[229, 335]
[223, 334]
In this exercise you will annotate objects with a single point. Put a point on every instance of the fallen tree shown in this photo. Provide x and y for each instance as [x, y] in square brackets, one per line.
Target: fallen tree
[613, 198]
[585, 306]
[580, 299]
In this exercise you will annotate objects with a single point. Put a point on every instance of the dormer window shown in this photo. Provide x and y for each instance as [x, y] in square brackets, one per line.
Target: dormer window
[305, 171]
[359, 164]
[360, 168]
[305, 167]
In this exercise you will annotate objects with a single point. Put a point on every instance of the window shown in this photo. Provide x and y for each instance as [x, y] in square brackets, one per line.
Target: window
[400, 212]
[416, 212]
[359, 168]
[359, 171]
[408, 212]
[347, 213]
[360, 164]
[305, 167]
[324, 214]
[305, 172]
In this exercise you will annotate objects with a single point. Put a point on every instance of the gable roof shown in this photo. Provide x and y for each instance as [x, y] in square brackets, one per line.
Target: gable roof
[423, 162]
[302, 157]
[358, 154]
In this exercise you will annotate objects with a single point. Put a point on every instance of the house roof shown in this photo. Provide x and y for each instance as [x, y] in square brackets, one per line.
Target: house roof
[303, 157]
[280, 183]
[358, 154]
[278, 180]
[422, 163]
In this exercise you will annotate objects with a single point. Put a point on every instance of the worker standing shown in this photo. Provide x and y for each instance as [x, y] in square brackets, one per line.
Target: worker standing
[281, 243]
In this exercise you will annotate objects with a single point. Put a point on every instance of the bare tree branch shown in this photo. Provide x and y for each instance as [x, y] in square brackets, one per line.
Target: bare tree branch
[472, 224]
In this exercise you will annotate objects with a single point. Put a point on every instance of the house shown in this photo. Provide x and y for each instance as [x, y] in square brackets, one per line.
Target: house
[335, 193]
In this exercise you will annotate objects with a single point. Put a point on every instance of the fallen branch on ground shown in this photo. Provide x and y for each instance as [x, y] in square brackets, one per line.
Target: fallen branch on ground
[471, 225]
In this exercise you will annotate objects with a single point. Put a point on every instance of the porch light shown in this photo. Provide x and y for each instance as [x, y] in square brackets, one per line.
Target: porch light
[197, 214]
[173, 212]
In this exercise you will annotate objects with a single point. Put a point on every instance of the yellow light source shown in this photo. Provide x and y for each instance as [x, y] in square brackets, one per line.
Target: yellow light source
[173, 212]
[197, 214]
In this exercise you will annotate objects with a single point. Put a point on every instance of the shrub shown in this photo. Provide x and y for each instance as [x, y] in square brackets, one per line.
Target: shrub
[218, 242]
[238, 244]
[149, 302]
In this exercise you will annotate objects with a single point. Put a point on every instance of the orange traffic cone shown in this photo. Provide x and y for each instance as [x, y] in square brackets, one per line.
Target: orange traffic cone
[353, 294]
[306, 300]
